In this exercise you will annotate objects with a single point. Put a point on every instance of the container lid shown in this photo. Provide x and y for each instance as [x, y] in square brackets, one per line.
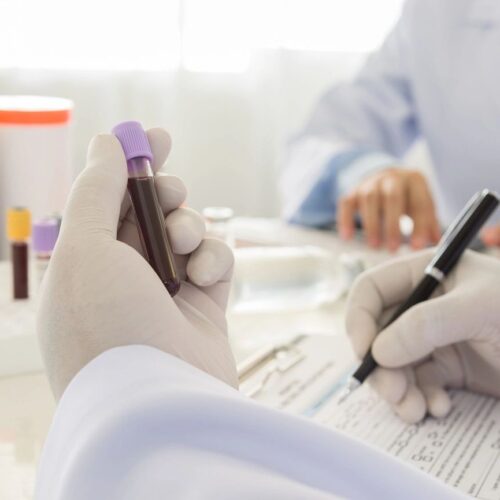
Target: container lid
[45, 233]
[134, 140]
[34, 110]
[18, 224]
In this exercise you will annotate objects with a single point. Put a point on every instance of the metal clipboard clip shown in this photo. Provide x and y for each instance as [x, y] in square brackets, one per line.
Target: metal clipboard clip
[270, 361]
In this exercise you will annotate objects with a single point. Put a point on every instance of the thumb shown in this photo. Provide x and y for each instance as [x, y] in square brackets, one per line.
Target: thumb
[422, 329]
[94, 202]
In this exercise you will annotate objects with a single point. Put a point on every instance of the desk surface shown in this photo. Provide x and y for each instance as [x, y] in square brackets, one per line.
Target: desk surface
[26, 404]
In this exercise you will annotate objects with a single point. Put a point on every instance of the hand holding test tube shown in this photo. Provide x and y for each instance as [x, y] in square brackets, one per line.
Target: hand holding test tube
[141, 188]
[100, 292]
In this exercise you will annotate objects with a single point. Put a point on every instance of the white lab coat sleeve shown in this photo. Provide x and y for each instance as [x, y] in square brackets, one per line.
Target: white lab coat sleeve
[357, 128]
[137, 423]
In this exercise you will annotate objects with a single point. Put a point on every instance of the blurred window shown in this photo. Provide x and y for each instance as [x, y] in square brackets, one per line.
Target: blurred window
[200, 35]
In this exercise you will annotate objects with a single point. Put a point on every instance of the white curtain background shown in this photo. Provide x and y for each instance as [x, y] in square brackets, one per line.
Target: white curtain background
[229, 79]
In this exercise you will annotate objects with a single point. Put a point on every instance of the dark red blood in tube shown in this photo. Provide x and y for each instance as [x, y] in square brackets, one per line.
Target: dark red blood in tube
[20, 269]
[150, 222]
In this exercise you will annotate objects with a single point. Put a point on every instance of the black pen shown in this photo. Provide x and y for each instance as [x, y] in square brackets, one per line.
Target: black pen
[451, 247]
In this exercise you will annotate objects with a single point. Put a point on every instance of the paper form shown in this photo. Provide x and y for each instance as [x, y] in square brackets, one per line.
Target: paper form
[462, 449]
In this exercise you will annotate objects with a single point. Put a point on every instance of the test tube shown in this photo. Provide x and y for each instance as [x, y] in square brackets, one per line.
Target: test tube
[148, 212]
[45, 233]
[18, 233]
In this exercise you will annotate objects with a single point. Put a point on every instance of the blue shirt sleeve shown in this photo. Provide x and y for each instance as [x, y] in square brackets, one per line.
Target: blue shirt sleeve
[356, 129]
[340, 175]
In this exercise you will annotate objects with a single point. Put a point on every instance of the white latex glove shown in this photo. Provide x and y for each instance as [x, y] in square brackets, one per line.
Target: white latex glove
[99, 291]
[451, 340]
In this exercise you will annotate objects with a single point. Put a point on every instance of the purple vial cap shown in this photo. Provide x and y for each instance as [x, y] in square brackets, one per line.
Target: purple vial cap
[134, 140]
[45, 233]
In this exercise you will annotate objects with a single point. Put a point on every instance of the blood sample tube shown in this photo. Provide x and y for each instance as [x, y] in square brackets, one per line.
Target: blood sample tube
[18, 233]
[45, 233]
[150, 219]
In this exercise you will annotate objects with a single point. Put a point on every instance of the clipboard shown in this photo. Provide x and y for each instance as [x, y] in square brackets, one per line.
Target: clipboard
[297, 375]
[270, 361]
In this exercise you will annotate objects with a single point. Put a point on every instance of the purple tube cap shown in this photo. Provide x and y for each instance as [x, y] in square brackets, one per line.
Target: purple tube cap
[134, 140]
[45, 233]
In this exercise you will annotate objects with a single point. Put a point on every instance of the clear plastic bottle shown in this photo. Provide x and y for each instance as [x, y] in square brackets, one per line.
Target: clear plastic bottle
[218, 220]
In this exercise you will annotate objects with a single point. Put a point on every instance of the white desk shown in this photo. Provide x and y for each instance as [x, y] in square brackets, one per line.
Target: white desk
[26, 404]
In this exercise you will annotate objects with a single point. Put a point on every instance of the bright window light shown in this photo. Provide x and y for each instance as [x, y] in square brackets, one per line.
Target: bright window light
[333, 25]
[202, 35]
[217, 35]
[90, 34]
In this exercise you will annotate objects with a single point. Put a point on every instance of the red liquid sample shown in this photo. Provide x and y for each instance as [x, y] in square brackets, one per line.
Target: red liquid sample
[151, 224]
[20, 269]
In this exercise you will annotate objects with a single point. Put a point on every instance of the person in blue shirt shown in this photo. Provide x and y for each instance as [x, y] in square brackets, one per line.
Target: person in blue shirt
[435, 77]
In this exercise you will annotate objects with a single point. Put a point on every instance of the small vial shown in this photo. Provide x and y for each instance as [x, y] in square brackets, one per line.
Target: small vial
[18, 233]
[45, 233]
[150, 219]
[218, 221]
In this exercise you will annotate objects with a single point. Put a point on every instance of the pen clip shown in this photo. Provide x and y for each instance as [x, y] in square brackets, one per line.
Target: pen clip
[459, 221]
[461, 218]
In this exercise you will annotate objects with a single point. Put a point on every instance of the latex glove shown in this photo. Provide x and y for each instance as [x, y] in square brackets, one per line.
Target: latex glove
[99, 291]
[451, 340]
[381, 200]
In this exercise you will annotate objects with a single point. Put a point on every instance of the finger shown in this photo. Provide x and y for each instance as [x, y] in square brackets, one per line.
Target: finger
[346, 214]
[392, 190]
[94, 202]
[160, 143]
[435, 231]
[377, 290]
[391, 385]
[210, 262]
[421, 330]
[369, 209]
[186, 229]
[431, 381]
[361, 326]
[184, 226]
[491, 236]
[171, 194]
[422, 232]
[412, 408]
[421, 210]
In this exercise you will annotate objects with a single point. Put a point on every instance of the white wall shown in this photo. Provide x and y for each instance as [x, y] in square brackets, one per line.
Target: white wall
[228, 129]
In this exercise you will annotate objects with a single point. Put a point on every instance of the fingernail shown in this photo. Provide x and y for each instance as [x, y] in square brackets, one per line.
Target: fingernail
[393, 244]
[488, 240]
[418, 242]
[345, 234]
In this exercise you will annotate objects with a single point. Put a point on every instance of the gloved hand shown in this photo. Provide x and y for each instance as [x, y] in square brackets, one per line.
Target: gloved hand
[451, 340]
[99, 291]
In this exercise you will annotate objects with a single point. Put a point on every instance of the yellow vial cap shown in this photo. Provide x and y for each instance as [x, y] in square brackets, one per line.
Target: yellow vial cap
[18, 224]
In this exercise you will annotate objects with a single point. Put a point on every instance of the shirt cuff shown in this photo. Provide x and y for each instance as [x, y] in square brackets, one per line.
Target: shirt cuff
[351, 174]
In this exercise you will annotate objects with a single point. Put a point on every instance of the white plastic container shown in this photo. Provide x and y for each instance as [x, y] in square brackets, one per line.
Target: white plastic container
[35, 169]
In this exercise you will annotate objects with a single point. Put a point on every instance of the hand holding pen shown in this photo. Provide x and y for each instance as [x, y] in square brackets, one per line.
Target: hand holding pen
[453, 244]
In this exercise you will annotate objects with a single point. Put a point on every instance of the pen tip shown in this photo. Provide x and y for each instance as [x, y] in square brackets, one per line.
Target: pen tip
[351, 386]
